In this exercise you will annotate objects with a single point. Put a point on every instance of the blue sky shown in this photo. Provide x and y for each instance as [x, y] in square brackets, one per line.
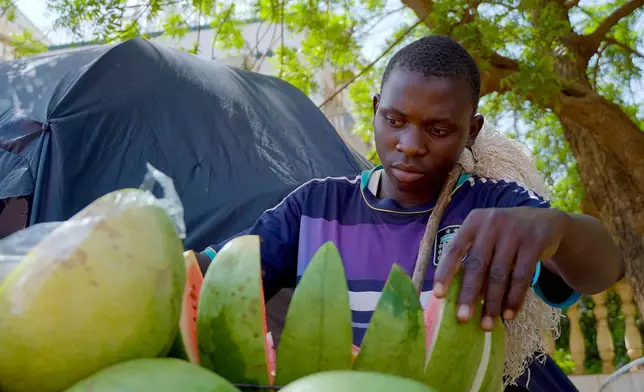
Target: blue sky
[36, 11]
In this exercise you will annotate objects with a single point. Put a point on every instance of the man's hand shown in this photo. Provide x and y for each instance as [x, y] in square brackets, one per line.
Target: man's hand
[499, 249]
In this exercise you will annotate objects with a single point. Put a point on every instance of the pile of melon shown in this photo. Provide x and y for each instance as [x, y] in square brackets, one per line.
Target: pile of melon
[109, 301]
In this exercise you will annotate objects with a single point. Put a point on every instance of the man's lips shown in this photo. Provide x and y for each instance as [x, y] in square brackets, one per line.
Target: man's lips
[406, 173]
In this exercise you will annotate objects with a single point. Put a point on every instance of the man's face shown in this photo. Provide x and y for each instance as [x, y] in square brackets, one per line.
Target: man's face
[422, 124]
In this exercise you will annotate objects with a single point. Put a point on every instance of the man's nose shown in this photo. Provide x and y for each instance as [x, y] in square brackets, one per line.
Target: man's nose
[412, 142]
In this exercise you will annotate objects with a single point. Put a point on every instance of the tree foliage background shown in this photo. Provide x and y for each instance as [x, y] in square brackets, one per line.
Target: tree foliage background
[567, 46]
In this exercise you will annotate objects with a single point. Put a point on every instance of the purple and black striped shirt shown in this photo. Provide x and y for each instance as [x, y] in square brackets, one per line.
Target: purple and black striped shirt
[371, 234]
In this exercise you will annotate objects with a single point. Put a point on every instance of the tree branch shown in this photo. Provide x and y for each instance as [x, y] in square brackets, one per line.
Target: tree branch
[594, 39]
[633, 51]
[570, 3]
[214, 38]
[422, 9]
[595, 71]
[499, 67]
[370, 65]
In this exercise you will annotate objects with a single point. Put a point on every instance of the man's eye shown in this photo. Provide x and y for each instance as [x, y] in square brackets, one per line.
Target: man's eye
[440, 131]
[394, 123]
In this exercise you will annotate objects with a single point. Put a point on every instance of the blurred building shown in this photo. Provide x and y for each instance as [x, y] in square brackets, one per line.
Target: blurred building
[8, 27]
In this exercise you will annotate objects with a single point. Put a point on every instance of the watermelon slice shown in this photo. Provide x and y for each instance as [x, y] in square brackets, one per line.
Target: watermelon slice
[185, 344]
[394, 340]
[317, 331]
[231, 318]
[454, 345]
[492, 373]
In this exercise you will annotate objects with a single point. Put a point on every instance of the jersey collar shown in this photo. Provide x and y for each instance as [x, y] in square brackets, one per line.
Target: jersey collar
[369, 181]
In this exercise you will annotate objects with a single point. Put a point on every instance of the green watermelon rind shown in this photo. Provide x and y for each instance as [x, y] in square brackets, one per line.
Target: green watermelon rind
[317, 334]
[158, 374]
[394, 342]
[493, 380]
[230, 317]
[455, 345]
[355, 381]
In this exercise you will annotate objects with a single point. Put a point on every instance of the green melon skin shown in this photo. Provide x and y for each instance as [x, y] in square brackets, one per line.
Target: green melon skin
[231, 325]
[355, 381]
[317, 333]
[394, 342]
[493, 380]
[456, 346]
[154, 375]
[95, 292]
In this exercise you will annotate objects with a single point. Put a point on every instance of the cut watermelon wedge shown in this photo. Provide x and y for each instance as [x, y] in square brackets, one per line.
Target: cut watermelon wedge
[453, 345]
[394, 342]
[317, 331]
[185, 344]
[231, 318]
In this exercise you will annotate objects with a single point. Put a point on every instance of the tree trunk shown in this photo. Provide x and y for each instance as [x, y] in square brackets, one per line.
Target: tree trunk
[609, 149]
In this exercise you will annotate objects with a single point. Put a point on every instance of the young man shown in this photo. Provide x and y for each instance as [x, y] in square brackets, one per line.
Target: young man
[424, 117]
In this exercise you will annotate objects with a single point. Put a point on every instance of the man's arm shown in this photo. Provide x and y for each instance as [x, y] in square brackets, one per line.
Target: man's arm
[587, 258]
[514, 240]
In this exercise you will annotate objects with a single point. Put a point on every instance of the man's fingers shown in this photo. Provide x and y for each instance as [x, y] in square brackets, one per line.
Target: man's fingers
[497, 282]
[475, 271]
[449, 264]
[520, 280]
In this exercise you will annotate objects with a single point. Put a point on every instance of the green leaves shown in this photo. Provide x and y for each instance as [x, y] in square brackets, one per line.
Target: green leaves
[8, 9]
[301, 38]
[25, 44]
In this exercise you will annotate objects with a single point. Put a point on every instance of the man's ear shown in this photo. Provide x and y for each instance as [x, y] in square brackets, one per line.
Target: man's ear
[475, 127]
[376, 102]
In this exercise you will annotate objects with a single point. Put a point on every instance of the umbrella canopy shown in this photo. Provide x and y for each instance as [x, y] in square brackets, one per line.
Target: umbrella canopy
[79, 124]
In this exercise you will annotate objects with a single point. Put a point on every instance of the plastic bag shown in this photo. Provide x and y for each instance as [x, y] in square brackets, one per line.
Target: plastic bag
[15, 246]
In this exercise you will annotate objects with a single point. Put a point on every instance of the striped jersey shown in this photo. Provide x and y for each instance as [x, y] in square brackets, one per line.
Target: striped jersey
[371, 233]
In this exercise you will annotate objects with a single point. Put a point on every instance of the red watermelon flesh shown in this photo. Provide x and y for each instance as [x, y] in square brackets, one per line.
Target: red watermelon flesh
[432, 318]
[355, 350]
[270, 349]
[185, 345]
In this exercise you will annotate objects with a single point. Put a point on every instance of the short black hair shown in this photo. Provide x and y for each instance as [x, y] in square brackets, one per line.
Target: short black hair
[437, 55]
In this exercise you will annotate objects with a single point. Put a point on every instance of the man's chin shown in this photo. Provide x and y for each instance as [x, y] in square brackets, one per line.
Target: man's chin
[411, 187]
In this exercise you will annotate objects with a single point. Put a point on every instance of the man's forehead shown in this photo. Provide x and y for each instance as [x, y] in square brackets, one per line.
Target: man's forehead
[404, 81]
[410, 91]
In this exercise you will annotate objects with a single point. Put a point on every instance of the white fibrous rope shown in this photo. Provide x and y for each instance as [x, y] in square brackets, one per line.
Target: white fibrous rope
[497, 157]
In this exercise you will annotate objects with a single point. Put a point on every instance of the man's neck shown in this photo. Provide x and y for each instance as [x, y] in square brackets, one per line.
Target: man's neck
[385, 190]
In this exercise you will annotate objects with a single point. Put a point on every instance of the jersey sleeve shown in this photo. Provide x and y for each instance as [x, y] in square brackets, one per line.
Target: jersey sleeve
[549, 286]
[278, 229]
